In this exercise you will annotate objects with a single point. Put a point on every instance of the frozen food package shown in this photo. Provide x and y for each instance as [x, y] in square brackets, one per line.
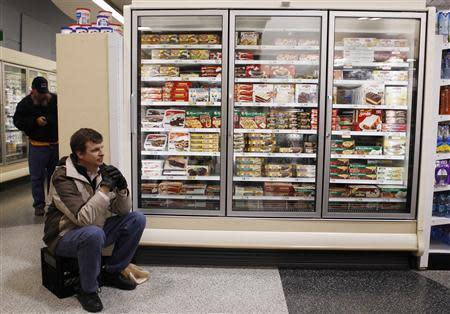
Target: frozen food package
[151, 94]
[215, 94]
[169, 71]
[211, 39]
[394, 145]
[170, 188]
[198, 95]
[197, 170]
[364, 191]
[257, 71]
[199, 54]
[287, 56]
[169, 39]
[374, 94]
[252, 120]
[243, 92]
[396, 95]
[174, 118]
[193, 119]
[249, 38]
[150, 39]
[160, 54]
[389, 191]
[306, 93]
[175, 163]
[151, 168]
[369, 120]
[211, 71]
[244, 55]
[382, 75]
[263, 93]
[188, 39]
[215, 55]
[149, 188]
[150, 70]
[155, 142]
[153, 118]
[282, 71]
[179, 142]
[284, 93]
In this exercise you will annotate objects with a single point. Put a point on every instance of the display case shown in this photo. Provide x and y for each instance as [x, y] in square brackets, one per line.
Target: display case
[274, 112]
[181, 89]
[293, 113]
[375, 82]
[14, 89]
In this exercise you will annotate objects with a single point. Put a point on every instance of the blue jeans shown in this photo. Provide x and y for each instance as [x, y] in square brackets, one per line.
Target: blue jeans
[86, 243]
[42, 161]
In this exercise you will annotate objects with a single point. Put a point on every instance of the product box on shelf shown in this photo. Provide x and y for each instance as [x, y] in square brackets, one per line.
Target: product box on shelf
[155, 142]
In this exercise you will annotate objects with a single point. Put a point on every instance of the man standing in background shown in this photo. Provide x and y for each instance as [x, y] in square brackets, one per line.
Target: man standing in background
[37, 116]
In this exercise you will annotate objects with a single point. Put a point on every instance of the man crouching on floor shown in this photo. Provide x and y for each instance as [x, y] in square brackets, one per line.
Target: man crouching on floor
[89, 210]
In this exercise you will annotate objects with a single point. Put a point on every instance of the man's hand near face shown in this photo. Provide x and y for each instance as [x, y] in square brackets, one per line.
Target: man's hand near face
[41, 121]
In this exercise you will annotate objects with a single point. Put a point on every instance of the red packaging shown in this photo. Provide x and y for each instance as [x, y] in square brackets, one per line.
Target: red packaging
[256, 70]
[244, 55]
[368, 120]
[244, 92]
[393, 128]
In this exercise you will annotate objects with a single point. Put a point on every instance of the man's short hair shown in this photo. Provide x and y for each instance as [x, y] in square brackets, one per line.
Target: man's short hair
[79, 139]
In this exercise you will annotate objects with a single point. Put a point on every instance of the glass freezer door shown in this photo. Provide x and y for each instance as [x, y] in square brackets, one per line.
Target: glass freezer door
[373, 114]
[14, 89]
[179, 111]
[276, 65]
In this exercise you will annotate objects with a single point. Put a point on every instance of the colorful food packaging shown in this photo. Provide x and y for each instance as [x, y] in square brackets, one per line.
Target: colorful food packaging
[198, 95]
[263, 93]
[150, 39]
[178, 142]
[210, 39]
[252, 120]
[306, 93]
[364, 191]
[215, 95]
[394, 146]
[388, 191]
[199, 54]
[188, 39]
[169, 39]
[374, 94]
[171, 71]
[369, 120]
[153, 118]
[244, 92]
[155, 142]
[174, 118]
[197, 170]
[249, 38]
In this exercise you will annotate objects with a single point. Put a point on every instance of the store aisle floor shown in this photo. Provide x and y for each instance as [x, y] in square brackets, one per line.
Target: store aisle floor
[212, 289]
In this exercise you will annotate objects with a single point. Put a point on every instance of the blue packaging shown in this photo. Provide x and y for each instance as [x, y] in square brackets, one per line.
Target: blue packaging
[443, 20]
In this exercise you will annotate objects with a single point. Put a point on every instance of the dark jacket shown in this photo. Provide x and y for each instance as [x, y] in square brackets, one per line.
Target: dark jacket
[27, 113]
[75, 201]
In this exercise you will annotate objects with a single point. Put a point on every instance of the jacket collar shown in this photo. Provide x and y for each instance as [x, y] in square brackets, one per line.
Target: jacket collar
[75, 171]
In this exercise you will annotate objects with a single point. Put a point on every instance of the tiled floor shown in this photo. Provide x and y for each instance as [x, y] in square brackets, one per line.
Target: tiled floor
[211, 289]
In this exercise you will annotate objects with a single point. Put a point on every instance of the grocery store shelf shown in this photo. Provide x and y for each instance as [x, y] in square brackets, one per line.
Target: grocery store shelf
[367, 106]
[445, 82]
[368, 133]
[444, 118]
[179, 104]
[274, 198]
[193, 178]
[274, 179]
[362, 82]
[180, 197]
[176, 78]
[442, 156]
[368, 157]
[349, 181]
[270, 104]
[275, 47]
[373, 65]
[168, 153]
[178, 46]
[340, 48]
[367, 200]
[275, 80]
[281, 155]
[177, 129]
[442, 188]
[438, 221]
[439, 247]
[292, 62]
[275, 131]
[179, 61]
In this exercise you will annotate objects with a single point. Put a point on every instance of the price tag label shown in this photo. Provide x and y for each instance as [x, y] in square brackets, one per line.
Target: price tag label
[346, 134]
[191, 177]
[188, 197]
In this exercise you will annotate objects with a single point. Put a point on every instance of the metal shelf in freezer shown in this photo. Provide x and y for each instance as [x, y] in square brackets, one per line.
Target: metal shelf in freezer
[167, 153]
[274, 179]
[180, 197]
[274, 198]
[193, 178]
[177, 129]
[179, 104]
[180, 61]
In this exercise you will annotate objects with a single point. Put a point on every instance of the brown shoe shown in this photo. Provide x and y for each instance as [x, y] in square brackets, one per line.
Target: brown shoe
[39, 211]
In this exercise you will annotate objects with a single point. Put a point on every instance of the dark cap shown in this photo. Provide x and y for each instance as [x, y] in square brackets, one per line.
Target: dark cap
[40, 84]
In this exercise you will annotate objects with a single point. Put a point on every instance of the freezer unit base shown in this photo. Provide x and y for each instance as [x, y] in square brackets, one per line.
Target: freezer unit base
[281, 234]
[156, 255]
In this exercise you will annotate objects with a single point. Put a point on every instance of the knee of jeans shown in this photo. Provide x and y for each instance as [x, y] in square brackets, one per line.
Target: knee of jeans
[139, 219]
[94, 235]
